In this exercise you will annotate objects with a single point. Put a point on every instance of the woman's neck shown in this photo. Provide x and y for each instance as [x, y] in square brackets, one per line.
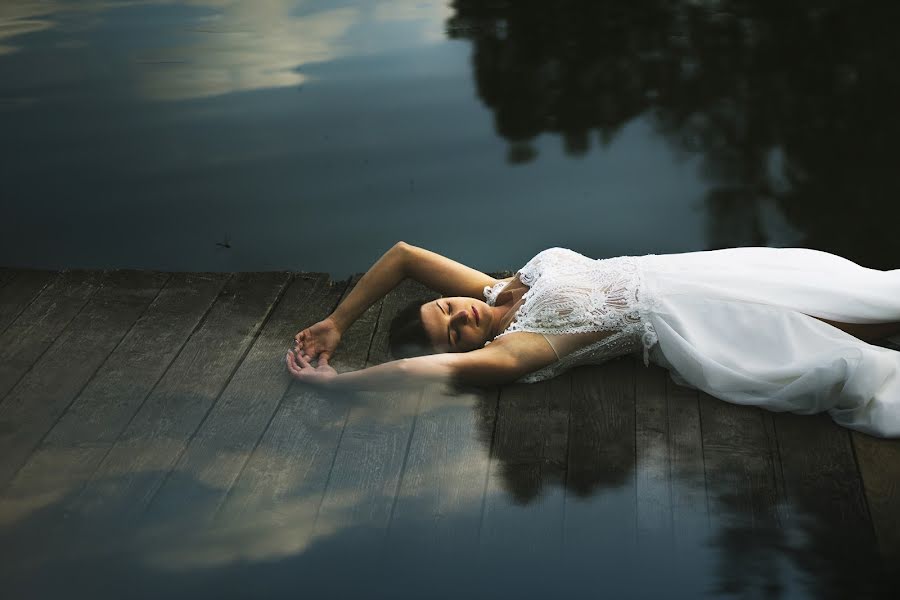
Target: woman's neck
[506, 302]
[497, 314]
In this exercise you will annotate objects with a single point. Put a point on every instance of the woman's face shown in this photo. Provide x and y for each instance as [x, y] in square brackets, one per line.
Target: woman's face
[457, 324]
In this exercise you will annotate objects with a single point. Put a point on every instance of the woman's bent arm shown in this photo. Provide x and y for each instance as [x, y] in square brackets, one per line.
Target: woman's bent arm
[445, 275]
[383, 276]
[441, 274]
[321, 339]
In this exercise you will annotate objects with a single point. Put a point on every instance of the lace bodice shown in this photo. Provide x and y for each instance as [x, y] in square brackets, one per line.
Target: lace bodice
[569, 294]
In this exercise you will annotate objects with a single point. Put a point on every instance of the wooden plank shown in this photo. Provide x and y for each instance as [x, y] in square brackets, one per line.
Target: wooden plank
[84, 434]
[827, 507]
[672, 516]
[653, 477]
[141, 457]
[220, 448]
[38, 325]
[740, 466]
[19, 291]
[271, 509]
[743, 496]
[523, 512]
[32, 408]
[438, 509]
[690, 512]
[367, 469]
[436, 519]
[601, 508]
[879, 466]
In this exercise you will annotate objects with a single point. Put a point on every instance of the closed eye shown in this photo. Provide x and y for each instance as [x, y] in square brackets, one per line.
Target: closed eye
[447, 312]
[449, 330]
[454, 329]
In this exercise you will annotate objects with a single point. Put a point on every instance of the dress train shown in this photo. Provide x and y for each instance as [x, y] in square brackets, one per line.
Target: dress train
[738, 324]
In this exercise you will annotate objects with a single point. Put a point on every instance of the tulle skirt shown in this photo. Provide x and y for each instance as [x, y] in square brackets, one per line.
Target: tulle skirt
[738, 324]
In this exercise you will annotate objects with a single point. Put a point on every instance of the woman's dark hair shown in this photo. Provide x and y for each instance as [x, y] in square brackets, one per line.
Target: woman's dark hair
[407, 336]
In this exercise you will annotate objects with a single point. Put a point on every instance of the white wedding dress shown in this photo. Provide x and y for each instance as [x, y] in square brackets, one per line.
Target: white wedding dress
[737, 324]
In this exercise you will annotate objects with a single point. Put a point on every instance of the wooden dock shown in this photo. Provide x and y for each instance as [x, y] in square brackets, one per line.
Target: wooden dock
[152, 444]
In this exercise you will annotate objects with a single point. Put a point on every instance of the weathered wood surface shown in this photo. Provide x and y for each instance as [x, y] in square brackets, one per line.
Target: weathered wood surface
[821, 480]
[879, 464]
[77, 443]
[368, 466]
[17, 290]
[280, 489]
[35, 324]
[145, 452]
[149, 417]
[444, 478]
[221, 446]
[600, 504]
[33, 407]
[528, 461]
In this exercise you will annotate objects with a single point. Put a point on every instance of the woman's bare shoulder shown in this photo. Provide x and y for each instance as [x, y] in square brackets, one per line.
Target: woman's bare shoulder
[502, 361]
[527, 347]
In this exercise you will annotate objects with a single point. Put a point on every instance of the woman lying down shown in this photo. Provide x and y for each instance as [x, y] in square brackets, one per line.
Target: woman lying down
[787, 329]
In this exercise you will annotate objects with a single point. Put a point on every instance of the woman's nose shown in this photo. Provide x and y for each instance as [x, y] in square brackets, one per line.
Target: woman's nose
[461, 317]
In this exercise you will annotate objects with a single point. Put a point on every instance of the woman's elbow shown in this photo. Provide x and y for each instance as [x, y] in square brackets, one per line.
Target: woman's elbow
[401, 255]
[403, 247]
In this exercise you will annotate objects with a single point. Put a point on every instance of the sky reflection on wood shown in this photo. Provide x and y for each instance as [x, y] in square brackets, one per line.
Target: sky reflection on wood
[184, 461]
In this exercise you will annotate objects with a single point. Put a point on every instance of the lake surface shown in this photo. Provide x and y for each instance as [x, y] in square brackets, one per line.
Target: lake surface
[313, 135]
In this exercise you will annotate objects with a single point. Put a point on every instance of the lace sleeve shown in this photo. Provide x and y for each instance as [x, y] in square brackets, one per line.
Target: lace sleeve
[532, 269]
[491, 292]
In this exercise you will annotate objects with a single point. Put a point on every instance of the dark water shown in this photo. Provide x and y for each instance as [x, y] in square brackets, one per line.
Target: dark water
[313, 135]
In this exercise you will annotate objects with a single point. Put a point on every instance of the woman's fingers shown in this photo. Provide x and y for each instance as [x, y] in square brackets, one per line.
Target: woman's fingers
[307, 351]
[301, 345]
[292, 367]
[308, 347]
[301, 338]
[310, 343]
[294, 359]
[300, 367]
[303, 362]
[296, 365]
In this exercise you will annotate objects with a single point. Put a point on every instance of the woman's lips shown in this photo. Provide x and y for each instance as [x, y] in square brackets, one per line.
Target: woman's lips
[477, 320]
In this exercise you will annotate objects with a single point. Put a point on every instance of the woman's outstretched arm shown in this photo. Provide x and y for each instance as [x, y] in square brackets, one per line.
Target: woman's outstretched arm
[403, 260]
[501, 362]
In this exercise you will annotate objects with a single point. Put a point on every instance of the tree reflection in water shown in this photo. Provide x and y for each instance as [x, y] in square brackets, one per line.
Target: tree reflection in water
[775, 498]
[790, 105]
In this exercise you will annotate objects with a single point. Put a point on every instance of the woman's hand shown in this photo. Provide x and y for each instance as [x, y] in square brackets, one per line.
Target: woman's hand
[317, 341]
[322, 374]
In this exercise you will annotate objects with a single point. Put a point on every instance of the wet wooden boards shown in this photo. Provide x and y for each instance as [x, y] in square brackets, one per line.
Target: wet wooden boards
[150, 414]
